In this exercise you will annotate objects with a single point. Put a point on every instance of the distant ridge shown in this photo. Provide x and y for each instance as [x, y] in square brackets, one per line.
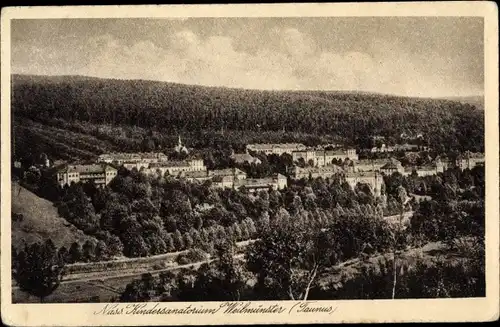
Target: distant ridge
[352, 117]
[474, 100]
[66, 78]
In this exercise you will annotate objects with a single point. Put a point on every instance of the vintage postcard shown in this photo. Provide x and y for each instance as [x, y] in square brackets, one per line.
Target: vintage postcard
[249, 164]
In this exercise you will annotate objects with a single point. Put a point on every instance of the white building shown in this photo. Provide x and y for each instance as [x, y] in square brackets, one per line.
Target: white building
[121, 158]
[278, 149]
[101, 174]
[175, 167]
[324, 157]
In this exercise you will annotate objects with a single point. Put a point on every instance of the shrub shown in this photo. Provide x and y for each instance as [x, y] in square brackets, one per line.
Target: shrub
[192, 256]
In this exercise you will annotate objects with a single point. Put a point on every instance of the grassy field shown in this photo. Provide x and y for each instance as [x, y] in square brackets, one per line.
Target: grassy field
[40, 221]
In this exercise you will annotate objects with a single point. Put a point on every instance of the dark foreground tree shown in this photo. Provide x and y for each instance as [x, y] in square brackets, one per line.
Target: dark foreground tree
[438, 278]
[38, 269]
[223, 279]
[288, 259]
[140, 290]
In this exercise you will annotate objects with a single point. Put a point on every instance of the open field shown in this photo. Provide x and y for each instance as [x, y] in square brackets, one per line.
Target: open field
[40, 221]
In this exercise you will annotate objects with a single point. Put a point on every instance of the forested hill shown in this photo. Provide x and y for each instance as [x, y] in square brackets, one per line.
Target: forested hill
[172, 107]
[477, 101]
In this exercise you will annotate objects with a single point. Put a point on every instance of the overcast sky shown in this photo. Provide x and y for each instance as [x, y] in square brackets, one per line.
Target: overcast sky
[405, 56]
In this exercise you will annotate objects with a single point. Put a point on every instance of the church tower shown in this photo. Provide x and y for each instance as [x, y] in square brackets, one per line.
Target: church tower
[180, 147]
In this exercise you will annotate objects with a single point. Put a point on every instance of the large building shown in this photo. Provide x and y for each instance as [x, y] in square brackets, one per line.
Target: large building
[278, 149]
[315, 172]
[391, 167]
[235, 178]
[174, 168]
[469, 160]
[122, 158]
[323, 158]
[101, 174]
[223, 178]
[276, 182]
[438, 166]
[365, 165]
[374, 179]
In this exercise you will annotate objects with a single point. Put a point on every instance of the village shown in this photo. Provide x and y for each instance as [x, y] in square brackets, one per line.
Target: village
[308, 162]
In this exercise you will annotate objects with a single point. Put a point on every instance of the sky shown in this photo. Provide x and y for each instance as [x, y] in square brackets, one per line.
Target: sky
[411, 56]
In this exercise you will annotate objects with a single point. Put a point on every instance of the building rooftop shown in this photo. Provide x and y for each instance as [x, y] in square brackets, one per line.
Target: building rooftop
[277, 145]
[325, 169]
[89, 169]
[173, 163]
[133, 155]
[255, 182]
[196, 174]
[226, 172]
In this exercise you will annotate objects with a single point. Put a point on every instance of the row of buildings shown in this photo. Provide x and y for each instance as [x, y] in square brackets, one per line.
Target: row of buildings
[399, 147]
[371, 171]
[317, 156]
[320, 163]
[193, 170]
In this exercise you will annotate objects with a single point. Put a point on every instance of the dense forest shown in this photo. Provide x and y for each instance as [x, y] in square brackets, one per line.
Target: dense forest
[170, 108]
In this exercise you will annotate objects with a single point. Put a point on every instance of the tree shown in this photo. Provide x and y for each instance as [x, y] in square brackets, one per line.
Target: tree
[75, 252]
[101, 251]
[114, 246]
[88, 249]
[169, 242]
[63, 254]
[178, 241]
[140, 290]
[39, 269]
[147, 144]
[166, 285]
[188, 241]
[402, 199]
[287, 259]
[221, 280]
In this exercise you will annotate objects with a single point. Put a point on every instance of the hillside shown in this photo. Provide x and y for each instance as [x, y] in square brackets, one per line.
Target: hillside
[40, 221]
[170, 107]
[476, 101]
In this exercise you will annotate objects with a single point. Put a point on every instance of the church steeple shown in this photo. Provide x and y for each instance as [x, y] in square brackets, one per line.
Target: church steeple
[180, 147]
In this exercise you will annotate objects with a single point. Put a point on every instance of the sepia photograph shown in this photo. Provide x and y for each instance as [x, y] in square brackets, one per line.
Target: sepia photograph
[260, 164]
